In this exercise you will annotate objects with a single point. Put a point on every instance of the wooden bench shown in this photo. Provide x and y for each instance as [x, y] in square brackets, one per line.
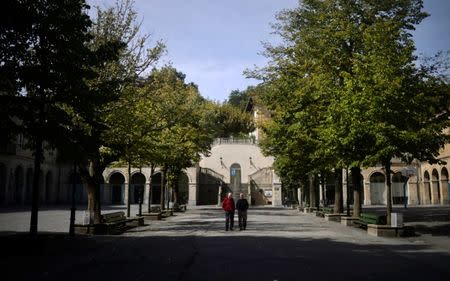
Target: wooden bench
[179, 208]
[323, 211]
[369, 218]
[117, 222]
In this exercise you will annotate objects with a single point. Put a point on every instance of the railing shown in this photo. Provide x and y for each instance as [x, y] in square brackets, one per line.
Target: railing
[211, 172]
[235, 141]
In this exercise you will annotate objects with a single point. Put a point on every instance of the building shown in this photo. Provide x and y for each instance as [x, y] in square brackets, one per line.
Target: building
[234, 165]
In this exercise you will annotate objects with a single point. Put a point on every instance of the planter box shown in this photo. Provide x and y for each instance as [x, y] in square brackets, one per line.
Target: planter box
[309, 209]
[333, 217]
[348, 221]
[389, 231]
[152, 216]
[383, 230]
[84, 229]
[136, 221]
[167, 213]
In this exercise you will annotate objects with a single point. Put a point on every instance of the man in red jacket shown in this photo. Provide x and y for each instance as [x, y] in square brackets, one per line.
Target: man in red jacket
[228, 207]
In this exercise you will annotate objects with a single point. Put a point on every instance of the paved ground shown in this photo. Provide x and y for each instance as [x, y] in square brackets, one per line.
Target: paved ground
[279, 244]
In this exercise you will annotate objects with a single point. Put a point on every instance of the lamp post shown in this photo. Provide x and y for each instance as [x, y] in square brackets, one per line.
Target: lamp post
[404, 191]
[348, 192]
[407, 172]
[72, 209]
[140, 197]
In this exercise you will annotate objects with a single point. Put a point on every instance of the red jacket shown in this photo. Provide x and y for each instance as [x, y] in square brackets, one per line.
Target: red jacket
[228, 204]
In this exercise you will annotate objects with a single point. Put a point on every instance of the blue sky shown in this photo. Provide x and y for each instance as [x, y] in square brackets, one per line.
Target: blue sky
[213, 41]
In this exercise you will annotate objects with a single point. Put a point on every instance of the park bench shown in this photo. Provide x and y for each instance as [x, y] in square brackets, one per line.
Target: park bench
[179, 208]
[117, 222]
[323, 211]
[369, 218]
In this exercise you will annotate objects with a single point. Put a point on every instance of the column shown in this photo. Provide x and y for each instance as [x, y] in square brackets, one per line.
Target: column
[193, 194]
[444, 192]
[146, 192]
[126, 193]
[366, 190]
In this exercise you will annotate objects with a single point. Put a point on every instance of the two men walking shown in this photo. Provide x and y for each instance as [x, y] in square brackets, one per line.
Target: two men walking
[229, 207]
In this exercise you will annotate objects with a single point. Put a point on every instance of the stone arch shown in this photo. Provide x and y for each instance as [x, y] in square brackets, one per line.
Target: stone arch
[2, 183]
[209, 183]
[155, 191]
[435, 187]
[444, 174]
[397, 192]
[329, 188]
[111, 173]
[75, 181]
[117, 184]
[351, 188]
[41, 187]
[445, 188]
[29, 185]
[183, 188]
[18, 184]
[49, 192]
[427, 188]
[137, 185]
[377, 188]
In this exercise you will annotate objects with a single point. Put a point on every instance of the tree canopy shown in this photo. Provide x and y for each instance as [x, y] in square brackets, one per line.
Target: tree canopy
[346, 89]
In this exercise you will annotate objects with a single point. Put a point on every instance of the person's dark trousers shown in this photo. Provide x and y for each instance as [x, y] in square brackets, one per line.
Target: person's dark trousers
[229, 220]
[242, 216]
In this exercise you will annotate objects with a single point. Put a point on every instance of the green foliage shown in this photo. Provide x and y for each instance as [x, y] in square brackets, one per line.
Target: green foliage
[344, 88]
[239, 98]
[228, 120]
[44, 60]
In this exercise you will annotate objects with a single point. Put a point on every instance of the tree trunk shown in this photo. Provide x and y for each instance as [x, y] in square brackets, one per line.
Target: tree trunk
[347, 192]
[338, 196]
[150, 188]
[312, 192]
[163, 181]
[175, 187]
[306, 193]
[91, 178]
[73, 209]
[38, 156]
[299, 196]
[387, 167]
[322, 184]
[129, 190]
[356, 177]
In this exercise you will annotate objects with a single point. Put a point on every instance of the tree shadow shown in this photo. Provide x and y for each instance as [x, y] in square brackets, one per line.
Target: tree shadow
[53, 256]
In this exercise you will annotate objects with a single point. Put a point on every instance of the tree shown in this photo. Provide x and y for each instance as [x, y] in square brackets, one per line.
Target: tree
[412, 102]
[182, 116]
[116, 24]
[228, 120]
[290, 134]
[44, 63]
[353, 61]
[239, 98]
[128, 132]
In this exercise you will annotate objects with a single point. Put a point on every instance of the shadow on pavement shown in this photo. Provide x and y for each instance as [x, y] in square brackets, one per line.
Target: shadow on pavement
[57, 257]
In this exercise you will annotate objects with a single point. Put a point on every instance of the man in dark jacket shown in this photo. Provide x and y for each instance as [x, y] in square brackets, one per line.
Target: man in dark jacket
[242, 206]
[228, 207]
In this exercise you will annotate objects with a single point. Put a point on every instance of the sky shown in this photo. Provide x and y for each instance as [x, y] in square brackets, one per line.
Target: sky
[213, 41]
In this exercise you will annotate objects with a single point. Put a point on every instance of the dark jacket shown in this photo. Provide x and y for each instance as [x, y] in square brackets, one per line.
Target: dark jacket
[228, 204]
[242, 205]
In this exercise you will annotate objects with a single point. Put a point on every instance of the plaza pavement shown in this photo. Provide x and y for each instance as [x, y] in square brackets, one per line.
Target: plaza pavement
[279, 244]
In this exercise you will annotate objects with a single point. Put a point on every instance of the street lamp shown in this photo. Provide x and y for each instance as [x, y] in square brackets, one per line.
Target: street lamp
[72, 209]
